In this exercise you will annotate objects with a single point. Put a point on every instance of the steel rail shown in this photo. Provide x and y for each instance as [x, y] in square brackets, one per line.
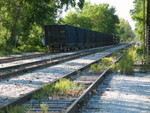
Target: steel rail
[12, 59]
[28, 56]
[28, 96]
[74, 107]
[44, 63]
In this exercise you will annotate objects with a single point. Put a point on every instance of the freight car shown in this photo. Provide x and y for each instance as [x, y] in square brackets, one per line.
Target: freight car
[67, 37]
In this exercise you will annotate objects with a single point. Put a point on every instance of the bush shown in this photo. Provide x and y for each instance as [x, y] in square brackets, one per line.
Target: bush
[125, 66]
[17, 109]
[105, 62]
[31, 48]
[63, 86]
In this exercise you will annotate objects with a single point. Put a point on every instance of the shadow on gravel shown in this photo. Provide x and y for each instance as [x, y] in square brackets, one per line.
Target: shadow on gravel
[121, 94]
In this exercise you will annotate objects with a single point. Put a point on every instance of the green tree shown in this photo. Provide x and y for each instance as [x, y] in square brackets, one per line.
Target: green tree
[22, 17]
[137, 15]
[78, 20]
[125, 31]
[96, 17]
[11, 12]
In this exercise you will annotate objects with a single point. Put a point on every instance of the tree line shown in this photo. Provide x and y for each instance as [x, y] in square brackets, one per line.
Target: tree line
[25, 19]
[138, 14]
[100, 18]
[22, 21]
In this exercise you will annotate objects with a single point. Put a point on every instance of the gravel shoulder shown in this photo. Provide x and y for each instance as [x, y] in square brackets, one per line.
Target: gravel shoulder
[121, 94]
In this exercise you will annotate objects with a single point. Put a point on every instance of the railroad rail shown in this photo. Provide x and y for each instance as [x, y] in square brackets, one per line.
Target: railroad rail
[29, 65]
[61, 103]
[13, 58]
[85, 62]
[75, 106]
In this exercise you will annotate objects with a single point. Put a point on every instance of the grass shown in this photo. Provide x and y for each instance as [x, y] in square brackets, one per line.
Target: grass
[61, 87]
[44, 108]
[125, 66]
[65, 86]
[5, 53]
[118, 52]
[22, 109]
[105, 62]
[17, 109]
[143, 68]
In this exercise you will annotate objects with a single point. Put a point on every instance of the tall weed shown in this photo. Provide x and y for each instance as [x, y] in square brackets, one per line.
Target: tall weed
[105, 62]
[125, 66]
[61, 87]
[17, 109]
[44, 108]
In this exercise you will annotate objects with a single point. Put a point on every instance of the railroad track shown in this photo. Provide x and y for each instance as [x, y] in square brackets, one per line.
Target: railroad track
[58, 104]
[76, 106]
[20, 57]
[16, 68]
[74, 67]
[13, 58]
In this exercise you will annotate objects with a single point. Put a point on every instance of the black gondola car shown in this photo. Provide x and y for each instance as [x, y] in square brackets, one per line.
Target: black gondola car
[68, 37]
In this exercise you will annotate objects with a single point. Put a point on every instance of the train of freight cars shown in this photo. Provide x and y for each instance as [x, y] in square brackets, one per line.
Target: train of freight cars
[67, 37]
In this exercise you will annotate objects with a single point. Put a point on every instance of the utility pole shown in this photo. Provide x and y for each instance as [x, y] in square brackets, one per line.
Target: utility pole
[144, 30]
[148, 30]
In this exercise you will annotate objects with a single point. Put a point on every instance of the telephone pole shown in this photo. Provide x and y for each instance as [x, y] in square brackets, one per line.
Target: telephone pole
[148, 31]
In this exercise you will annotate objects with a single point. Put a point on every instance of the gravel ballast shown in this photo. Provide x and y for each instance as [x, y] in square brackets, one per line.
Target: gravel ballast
[121, 94]
[14, 87]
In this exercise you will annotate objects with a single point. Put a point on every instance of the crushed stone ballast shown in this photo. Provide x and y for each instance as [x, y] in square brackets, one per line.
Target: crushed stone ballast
[121, 94]
[46, 57]
[15, 87]
[17, 68]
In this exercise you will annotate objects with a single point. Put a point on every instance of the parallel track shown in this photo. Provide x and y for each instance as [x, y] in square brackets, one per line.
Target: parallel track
[27, 67]
[69, 103]
[71, 108]
[78, 103]
[23, 57]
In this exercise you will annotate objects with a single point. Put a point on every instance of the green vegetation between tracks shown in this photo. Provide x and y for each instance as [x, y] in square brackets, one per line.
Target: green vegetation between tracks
[124, 66]
[105, 62]
[62, 87]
